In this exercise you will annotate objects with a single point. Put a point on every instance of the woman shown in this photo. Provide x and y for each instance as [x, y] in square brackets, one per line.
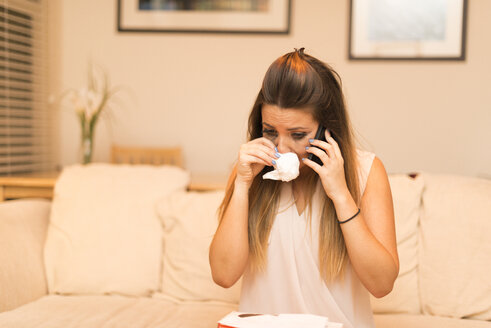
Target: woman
[321, 242]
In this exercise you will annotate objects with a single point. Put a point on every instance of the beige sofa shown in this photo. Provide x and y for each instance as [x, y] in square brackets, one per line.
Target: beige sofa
[127, 246]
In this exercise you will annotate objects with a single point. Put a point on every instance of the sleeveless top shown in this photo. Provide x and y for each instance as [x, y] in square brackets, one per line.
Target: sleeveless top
[291, 282]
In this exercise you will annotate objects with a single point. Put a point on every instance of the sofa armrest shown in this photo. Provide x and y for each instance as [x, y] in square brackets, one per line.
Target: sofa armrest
[23, 226]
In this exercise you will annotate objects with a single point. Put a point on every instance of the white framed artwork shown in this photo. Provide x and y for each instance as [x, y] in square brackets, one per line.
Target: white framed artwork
[407, 29]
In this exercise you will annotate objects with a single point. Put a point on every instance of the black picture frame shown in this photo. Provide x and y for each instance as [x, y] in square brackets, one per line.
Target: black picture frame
[130, 19]
[362, 45]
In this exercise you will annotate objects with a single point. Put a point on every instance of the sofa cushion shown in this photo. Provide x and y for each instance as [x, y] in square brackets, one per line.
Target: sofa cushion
[114, 311]
[406, 197]
[23, 224]
[104, 234]
[455, 266]
[190, 221]
[425, 321]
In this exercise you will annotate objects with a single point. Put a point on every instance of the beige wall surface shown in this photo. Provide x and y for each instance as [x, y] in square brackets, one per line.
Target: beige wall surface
[196, 90]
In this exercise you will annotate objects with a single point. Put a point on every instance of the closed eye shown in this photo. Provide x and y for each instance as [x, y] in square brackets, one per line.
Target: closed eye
[299, 135]
[273, 133]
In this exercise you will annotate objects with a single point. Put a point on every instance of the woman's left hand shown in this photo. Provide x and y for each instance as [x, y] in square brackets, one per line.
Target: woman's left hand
[332, 172]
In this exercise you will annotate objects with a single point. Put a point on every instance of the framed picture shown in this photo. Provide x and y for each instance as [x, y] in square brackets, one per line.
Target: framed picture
[205, 16]
[407, 29]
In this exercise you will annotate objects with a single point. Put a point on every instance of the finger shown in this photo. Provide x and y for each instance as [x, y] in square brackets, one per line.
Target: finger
[265, 141]
[271, 152]
[313, 165]
[319, 153]
[264, 149]
[334, 144]
[324, 145]
[251, 159]
[254, 146]
[261, 152]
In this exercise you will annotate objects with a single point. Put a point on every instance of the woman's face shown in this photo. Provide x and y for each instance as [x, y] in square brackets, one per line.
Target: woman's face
[289, 129]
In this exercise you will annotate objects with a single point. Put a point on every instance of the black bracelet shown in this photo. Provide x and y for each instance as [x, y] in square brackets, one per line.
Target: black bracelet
[351, 218]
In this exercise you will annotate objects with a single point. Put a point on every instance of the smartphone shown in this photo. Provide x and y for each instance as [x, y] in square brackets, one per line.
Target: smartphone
[319, 135]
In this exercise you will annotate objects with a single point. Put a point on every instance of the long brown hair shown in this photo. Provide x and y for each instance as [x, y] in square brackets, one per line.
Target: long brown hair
[298, 80]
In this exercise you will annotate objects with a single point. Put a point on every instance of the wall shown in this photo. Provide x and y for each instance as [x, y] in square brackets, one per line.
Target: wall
[195, 90]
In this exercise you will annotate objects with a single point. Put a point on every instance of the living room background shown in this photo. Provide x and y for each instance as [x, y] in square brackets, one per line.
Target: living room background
[196, 90]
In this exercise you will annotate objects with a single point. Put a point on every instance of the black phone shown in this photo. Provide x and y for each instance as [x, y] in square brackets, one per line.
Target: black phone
[319, 135]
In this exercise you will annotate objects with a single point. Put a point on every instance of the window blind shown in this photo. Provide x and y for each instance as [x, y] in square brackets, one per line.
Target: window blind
[26, 129]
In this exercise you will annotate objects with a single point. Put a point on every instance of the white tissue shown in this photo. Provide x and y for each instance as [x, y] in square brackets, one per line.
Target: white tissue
[287, 168]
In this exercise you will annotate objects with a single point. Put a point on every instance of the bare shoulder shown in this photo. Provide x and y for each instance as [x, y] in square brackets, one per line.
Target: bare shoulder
[378, 180]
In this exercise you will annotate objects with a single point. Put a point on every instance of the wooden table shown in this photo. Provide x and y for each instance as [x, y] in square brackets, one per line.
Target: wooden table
[41, 185]
[28, 185]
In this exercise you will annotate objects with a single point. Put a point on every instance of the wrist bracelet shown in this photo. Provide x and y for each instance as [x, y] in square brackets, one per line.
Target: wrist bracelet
[351, 218]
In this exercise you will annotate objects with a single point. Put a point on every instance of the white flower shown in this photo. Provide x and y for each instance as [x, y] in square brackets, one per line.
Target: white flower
[86, 101]
[93, 101]
[89, 102]
[77, 101]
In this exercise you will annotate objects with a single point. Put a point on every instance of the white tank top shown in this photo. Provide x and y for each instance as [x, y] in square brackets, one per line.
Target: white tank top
[291, 282]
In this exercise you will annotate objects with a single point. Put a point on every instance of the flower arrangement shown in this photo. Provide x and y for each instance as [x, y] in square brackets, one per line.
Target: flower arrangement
[90, 103]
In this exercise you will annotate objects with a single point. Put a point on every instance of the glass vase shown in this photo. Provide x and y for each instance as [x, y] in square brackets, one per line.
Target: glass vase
[87, 148]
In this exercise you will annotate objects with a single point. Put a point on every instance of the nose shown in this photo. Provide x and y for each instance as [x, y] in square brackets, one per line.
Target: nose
[282, 145]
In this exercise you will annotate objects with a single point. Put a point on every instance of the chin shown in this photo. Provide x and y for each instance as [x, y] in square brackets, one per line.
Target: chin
[303, 166]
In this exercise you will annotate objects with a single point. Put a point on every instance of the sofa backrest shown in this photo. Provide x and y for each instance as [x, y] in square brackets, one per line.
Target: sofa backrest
[406, 196]
[23, 225]
[455, 247]
[104, 234]
[189, 221]
[443, 227]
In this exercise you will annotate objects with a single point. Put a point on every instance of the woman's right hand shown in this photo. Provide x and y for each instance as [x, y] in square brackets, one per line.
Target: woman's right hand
[253, 156]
